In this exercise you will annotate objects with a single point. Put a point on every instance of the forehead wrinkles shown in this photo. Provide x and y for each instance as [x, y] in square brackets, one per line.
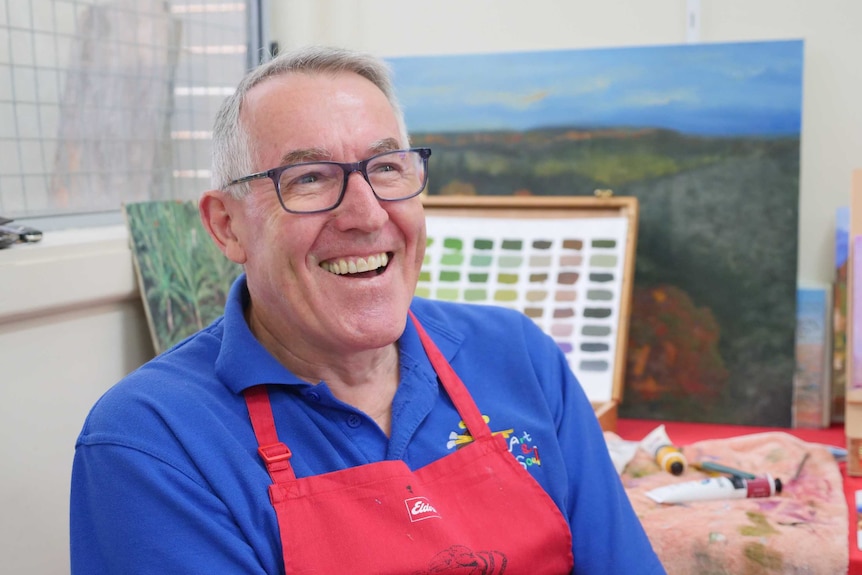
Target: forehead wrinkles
[318, 154]
[258, 107]
[280, 101]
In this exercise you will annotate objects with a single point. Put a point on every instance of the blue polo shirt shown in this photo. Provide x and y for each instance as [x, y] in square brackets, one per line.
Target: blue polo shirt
[167, 479]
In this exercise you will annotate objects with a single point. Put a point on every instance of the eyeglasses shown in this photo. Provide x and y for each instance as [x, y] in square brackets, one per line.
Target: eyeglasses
[312, 187]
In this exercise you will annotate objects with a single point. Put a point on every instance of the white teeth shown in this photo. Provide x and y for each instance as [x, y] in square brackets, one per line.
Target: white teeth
[359, 265]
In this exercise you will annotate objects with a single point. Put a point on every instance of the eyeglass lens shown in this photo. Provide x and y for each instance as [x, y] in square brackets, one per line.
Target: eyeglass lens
[317, 186]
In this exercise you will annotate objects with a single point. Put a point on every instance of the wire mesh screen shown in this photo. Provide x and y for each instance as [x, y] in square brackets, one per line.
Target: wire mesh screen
[106, 102]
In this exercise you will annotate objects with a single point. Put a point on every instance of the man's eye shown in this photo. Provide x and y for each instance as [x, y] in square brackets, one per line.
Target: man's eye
[304, 179]
[307, 179]
[383, 168]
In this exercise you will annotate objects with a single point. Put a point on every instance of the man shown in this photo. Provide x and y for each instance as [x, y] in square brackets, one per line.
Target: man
[330, 422]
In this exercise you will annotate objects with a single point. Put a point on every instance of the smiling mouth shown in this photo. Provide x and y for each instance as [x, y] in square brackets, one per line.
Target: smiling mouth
[375, 263]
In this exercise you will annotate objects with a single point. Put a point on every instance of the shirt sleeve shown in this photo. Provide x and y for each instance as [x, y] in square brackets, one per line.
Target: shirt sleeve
[134, 513]
[607, 535]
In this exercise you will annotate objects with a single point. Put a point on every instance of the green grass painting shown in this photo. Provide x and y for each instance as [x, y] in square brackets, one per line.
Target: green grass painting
[183, 277]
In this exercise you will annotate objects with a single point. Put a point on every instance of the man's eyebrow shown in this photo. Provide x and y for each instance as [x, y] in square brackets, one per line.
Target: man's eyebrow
[385, 145]
[305, 155]
[323, 155]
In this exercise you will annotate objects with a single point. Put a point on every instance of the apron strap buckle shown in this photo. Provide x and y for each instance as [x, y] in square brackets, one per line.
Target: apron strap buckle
[277, 456]
[272, 454]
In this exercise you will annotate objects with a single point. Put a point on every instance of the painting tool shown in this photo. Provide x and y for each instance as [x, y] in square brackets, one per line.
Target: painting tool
[839, 453]
[799, 467]
[712, 467]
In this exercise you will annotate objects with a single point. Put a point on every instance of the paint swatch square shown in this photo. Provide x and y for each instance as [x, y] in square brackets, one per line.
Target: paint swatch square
[565, 274]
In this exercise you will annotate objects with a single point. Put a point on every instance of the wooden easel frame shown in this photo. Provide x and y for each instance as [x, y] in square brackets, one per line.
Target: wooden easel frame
[575, 207]
[853, 395]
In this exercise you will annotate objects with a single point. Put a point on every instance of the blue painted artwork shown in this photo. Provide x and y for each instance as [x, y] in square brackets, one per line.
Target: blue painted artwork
[748, 89]
[839, 313]
[813, 391]
[842, 235]
[706, 136]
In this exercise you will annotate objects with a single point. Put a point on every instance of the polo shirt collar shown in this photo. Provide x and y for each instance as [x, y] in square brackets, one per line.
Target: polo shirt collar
[243, 362]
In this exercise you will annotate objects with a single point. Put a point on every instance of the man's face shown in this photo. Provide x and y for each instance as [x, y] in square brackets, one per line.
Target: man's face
[297, 302]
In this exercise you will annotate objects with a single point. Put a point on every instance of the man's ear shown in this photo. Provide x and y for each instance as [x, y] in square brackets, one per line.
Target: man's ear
[215, 208]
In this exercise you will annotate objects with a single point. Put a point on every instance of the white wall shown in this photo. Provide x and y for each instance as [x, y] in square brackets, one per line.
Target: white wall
[71, 322]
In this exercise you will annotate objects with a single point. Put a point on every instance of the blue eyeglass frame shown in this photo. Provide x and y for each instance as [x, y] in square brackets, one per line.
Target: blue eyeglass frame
[348, 167]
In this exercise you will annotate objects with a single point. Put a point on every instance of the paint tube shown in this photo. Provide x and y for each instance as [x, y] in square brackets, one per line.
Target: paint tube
[714, 488]
[666, 454]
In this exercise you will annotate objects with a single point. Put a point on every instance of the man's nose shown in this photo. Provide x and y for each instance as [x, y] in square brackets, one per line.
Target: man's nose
[360, 170]
[360, 201]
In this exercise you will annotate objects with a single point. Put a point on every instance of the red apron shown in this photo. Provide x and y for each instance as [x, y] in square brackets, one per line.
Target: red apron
[473, 512]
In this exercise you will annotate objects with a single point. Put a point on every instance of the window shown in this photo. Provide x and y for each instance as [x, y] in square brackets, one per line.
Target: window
[111, 101]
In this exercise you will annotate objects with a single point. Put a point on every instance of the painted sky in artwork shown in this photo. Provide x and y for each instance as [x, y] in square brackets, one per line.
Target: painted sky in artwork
[728, 89]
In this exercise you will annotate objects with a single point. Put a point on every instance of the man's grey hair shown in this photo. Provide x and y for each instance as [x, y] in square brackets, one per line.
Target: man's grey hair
[232, 149]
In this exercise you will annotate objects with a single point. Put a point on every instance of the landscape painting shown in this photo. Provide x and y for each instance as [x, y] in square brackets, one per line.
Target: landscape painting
[707, 138]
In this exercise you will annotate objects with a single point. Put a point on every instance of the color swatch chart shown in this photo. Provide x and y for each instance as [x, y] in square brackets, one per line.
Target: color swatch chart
[565, 274]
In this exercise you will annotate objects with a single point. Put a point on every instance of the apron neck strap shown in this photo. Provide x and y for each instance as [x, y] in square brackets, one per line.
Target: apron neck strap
[275, 454]
[453, 385]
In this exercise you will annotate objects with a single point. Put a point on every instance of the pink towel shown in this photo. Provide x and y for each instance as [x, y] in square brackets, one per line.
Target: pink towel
[802, 530]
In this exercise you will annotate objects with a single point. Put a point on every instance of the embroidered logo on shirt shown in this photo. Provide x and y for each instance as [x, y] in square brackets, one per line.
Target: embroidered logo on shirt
[524, 450]
[459, 440]
[520, 446]
[419, 509]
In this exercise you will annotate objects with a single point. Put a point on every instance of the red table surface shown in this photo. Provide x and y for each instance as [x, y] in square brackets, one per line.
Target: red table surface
[684, 433]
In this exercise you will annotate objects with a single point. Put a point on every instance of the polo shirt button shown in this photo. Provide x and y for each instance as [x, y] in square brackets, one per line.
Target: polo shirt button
[314, 395]
[354, 421]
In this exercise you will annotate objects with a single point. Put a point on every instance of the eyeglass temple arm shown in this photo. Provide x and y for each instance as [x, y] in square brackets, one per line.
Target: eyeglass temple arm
[249, 178]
